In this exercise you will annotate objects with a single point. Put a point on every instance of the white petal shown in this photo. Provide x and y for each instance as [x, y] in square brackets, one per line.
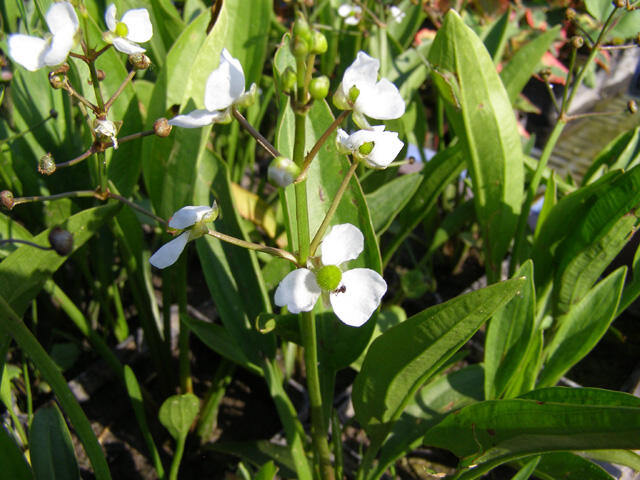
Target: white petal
[169, 252]
[344, 242]
[352, 20]
[126, 46]
[27, 51]
[382, 101]
[188, 216]
[138, 25]
[345, 9]
[299, 291]
[62, 19]
[342, 142]
[110, 17]
[396, 13]
[362, 73]
[197, 118]
[358, 296]
[386, 145]
[57, 52]
[225, 84]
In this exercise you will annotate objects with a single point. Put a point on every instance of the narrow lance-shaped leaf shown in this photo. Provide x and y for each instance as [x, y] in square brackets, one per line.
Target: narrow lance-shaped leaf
[52, 454]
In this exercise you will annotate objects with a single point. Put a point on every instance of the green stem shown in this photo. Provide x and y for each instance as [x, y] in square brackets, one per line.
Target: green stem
[209, 412]
[184, 367]
[102, 171]
[117, 93]
[266, 144]
[276, 252]
[177, 458]
[332, 208]
[302, 210]
[96, 85]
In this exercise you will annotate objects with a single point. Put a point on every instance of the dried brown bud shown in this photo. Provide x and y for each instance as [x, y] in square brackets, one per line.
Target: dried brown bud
[61, 241]
[577, 42]
[619, 3]
[570, 14]
[46, 164]
[161, 127]
[56, 80]
[101, 75]
[632, 106]
[6, 198]
[139, 61]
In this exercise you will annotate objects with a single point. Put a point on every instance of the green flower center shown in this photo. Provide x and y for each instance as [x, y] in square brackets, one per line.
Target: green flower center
[366, 148]
[328, 277]
[354, 92]
[121, 29]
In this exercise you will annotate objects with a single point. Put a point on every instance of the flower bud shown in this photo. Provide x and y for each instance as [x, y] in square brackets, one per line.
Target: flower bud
[6, 198]
[46, 164]
[56, 80]
[61, 241]
[577, 42]
[545, 74]
[53, 112]
[319, 87]
[570, 14]
[632, 106]
[302, 39]
[101, 75]
[161, 127]
[139, 61]
[318, 43]
[288, 80]
[282, 172]
[354, 93]
[619, 3]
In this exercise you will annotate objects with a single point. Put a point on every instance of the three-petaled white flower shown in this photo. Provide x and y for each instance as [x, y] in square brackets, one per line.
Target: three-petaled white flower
[351, 13]
[396, 13]
[361, 91]
[376, 147]
[223, 90]
[134, 27]
[34, 53]
[193, 218]
[353, 294]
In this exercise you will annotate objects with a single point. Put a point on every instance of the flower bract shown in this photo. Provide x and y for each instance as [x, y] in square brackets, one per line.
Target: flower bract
[376, 147]
[361, 92]
[134, 27]
[353, 294]
[193, 220]
[223, 90]
[34, 53]
[351, 13]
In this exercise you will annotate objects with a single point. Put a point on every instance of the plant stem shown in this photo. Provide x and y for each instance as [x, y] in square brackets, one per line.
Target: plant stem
[184, 366]
[276, 252]
[255, 134]
[177, 458]
[332, 208]
[117, 93]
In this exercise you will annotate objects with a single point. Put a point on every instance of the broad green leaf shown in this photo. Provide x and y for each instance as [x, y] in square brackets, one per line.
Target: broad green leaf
[51, 448]
[485, 124]
[632, 287]
[517, 72]
[23, 272]
[13, 463]
[619, 457]
[404, 357]
[549, 202]
[625, 22]
[580, 329]
[508, 334]
[569, 466]
[12, 324]
[430, 405]
[599, 236]
[623, 152]
[177, 413]
[439, 172]
[388, 200]
[267, 471]
[554, 419]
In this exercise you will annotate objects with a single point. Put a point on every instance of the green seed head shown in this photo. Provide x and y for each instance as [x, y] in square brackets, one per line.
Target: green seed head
[328, 277]
[354, 93]
[121, 29]
[366, 148]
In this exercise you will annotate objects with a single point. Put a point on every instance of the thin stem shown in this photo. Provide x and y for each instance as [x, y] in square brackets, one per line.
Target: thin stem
[302, 209]
[552, 96]
[578, 116]
[43, 198]
[321, 141]
[102, 171]
[177, 458]
[71, 91]
[52, 114]
[25, 242]
[135, 206]
[255, 134]
[95, 82]
[102, 50]
[332, 208]
[572, 64]
[78, 159]
[276, 252]
[117, 93]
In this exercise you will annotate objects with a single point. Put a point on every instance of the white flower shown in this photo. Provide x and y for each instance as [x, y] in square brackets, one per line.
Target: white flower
[224, 89]
[34, 53]
[351, 13]
[191, 217]
[133, 27]
[376, 147]
[361, 91]
[353, 294]
[396, 13]
[106, 129]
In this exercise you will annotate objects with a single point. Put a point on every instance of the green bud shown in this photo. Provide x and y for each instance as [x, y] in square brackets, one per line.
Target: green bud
[328, 277]
[577, 42]
[319, 43]
[288, 80]
[302, 38]
[354, 93]
[282, 172]
[56, 80]
[139, 61]
[366, 148]
[46, 165]
[319, 87]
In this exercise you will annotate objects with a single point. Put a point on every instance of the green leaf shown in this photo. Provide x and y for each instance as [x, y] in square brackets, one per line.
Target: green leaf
[52, 454]
[12, 324]
[508, 334]
[404, 357]
[484, 121]
[525, 472]
[388, 200]
[619, 457]
[24, 272]
[258, 453]
[580, 329]
[267, 472]
[177, 413]
[623, 153]
[496, 37]
[13, 463]
[626, 22]
[554, 419]
[524, 63]
[403, 32]
[569, 466]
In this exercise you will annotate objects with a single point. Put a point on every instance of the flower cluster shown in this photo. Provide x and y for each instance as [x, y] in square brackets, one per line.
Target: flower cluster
[353, 294]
